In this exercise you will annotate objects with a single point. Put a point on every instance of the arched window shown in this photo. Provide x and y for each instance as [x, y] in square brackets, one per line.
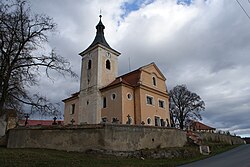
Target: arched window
[149, 121]
[89, 64]
[72, 109]
[108, 65]
[104, 102]
[154, 81]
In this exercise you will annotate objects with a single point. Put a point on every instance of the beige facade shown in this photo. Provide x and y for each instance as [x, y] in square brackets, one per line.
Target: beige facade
[71, 109]
[138, 97]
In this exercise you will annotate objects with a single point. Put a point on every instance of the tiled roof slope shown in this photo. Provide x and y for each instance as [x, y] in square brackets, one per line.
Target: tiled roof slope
[39, 122]
[132, 78]
[201, 126]
[74, 95]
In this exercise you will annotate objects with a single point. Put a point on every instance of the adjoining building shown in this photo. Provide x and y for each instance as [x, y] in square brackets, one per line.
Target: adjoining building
[138, 97]
[39, 122]
[247, 140]
[8, 121]
[200, 127]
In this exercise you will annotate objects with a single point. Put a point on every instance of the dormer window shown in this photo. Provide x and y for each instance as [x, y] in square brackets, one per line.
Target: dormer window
[89, 64]
[108, 65]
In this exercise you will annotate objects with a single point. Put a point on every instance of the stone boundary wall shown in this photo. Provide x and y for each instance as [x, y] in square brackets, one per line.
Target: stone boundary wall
[99, 137]
[220, 138]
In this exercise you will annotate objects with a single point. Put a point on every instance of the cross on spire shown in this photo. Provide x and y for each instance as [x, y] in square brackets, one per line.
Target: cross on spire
[100, 14]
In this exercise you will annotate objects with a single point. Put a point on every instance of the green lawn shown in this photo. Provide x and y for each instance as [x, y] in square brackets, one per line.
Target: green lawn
[44, 157]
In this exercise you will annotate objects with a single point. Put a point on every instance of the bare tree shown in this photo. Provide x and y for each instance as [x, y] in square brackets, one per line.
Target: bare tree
[184, 105]
[21, 35]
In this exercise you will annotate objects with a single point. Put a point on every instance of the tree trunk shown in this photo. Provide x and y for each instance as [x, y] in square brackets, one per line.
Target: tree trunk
[1, 108]
[181, 125]
[181, 120]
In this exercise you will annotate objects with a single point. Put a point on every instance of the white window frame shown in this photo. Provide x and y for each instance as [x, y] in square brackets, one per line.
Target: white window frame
[164, 103]
[159, 120]
[150, 121]
[153, 100]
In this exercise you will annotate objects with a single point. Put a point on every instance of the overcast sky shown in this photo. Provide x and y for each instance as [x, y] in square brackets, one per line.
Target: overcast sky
[204, 44]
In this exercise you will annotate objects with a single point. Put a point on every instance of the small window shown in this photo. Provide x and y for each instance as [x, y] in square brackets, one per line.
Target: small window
[108, 65]
[129, 96]
[150, 100]
[154, 81]
[72, 109]
[104, 102]
[161, 104]
[89, 64]
[149, 121]
[113, 96]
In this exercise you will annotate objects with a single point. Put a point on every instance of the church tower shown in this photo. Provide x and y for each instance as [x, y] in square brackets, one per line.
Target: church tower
[99, 68]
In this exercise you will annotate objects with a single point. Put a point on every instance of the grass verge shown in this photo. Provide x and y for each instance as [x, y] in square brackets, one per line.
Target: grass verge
[45, 157]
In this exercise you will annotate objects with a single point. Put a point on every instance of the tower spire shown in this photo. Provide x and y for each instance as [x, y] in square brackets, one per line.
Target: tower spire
[99, 38]
[100, 30]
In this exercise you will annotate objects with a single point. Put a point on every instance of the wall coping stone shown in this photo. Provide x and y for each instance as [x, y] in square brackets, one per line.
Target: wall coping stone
[89, 126]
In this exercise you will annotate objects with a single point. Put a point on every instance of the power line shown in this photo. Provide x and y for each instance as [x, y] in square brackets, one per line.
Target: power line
[244, 9]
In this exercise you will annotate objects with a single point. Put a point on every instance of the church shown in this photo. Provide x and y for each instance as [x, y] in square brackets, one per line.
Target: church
[138, 98]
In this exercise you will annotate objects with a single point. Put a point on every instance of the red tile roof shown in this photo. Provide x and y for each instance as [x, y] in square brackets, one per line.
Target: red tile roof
[200, 126]
[38, 122]
[131, 79]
